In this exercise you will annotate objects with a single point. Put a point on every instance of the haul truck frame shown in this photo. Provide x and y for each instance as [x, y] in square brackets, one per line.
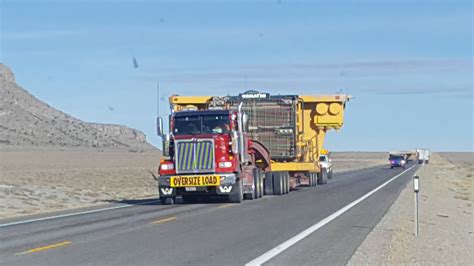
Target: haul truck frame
[274, 144]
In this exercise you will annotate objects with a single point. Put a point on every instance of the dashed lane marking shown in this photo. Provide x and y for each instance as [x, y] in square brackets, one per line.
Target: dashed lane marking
[45, 248]
[164, 220]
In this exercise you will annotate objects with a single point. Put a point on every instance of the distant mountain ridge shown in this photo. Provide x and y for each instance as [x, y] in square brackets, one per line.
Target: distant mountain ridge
[28, 121]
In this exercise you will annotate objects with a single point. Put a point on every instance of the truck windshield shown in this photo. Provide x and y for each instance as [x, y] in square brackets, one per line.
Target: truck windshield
[396, 158]
[201, 124]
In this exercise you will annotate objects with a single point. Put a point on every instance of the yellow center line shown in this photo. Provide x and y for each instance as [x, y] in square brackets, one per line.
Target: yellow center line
[164, 220]
[45, 248]
[225, 206]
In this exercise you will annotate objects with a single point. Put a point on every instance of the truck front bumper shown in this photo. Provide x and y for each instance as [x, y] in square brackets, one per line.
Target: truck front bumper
[226, 186]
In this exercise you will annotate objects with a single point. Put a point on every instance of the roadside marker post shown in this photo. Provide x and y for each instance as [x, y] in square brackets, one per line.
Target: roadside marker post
[416, 189]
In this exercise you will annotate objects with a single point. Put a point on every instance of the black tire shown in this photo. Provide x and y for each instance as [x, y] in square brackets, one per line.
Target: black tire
[287, 179]
[268, 183]
[310, 180]
[330, 174]
[163, 200]
[314, 176]
[236, 195]
[323, 177]
[285, 182]
[261, 178]
[256, 183]
[167, 200]
[277, 183]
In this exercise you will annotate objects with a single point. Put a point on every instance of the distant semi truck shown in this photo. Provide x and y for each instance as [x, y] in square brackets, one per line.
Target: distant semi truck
[423, 155]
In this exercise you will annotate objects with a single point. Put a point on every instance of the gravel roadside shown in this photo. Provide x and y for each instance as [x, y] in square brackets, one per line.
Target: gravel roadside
[445, 219]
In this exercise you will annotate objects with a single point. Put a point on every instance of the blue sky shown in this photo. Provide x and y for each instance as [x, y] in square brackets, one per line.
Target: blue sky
[408, 64]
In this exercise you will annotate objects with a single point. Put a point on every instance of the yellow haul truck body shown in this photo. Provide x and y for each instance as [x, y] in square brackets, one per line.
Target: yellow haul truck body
[291, 127]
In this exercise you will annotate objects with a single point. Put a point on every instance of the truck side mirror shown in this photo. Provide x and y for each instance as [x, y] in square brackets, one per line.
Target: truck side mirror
[159, 126]
[166, 145]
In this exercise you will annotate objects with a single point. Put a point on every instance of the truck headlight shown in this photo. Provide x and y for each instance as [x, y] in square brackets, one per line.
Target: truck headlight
[167, 166]
[225, 164]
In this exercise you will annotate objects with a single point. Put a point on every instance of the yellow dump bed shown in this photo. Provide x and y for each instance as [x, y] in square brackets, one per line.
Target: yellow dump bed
[306, 119]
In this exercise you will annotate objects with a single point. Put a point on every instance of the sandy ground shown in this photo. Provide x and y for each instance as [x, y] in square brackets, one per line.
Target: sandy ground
[446, 219]
[344, 161]
[43, 180]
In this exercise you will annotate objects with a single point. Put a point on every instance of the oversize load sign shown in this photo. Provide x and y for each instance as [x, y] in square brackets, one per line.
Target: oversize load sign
[195, 181]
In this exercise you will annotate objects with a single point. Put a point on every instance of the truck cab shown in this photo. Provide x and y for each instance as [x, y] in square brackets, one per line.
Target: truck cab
[203, 155]
[208, 153]
[397, 160]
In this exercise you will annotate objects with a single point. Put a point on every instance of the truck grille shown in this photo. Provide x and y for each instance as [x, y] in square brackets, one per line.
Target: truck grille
[194, 156]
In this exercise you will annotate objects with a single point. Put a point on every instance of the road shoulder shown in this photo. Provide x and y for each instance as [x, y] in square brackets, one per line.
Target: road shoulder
[446, 228]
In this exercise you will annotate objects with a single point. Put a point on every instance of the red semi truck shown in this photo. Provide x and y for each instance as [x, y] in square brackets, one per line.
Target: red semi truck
[244, 146]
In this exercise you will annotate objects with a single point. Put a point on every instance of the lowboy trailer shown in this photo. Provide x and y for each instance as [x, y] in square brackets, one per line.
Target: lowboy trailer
[245, 146]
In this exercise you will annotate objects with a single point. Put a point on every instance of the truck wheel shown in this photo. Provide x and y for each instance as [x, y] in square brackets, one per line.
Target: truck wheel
[289, 185]
[314, 177]
[261, 178]
[286, 180]
[256, 183]
[310, 180]
[167, 201]
[277, 183]
[330, 174]
[268, 185]
[285, 184]
[236, 195]
[323, 177]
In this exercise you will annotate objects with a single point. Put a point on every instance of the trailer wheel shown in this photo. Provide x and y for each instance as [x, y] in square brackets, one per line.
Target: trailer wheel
[315, 179]
[286, 180]
[261, 176]
[310, 180]
[256, 183]
[277, 183]
[283, 180]
[268, 183]
[323, 177]
[236, 195]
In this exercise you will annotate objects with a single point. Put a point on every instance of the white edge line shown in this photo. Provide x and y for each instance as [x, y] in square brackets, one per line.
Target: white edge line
[290, 242]
[73, 214]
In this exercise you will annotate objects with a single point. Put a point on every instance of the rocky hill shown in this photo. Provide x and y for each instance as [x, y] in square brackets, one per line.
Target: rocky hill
[27, 121]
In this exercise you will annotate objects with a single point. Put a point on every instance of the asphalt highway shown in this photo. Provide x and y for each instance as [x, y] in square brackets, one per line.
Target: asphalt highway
[143, 232]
